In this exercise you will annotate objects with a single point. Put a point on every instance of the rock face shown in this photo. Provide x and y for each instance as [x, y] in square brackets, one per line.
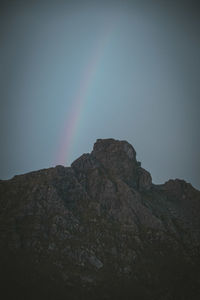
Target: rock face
[144, 180]
[118, 157]
[99, 230]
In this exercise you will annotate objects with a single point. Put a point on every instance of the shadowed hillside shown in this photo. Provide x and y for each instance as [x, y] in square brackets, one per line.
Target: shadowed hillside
[99, 229]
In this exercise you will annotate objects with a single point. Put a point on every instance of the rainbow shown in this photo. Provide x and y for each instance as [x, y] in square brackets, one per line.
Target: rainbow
[71, 124]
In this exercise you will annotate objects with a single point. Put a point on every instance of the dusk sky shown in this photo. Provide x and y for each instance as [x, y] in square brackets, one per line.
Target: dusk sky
[75, 71]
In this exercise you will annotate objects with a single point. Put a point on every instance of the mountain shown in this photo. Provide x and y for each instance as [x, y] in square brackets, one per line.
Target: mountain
[99, 229]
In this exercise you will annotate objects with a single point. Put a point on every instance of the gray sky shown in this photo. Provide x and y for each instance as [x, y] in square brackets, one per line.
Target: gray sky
[75, 71]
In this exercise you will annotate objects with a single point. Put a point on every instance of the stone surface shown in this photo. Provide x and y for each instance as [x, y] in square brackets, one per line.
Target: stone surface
[99, 229]
[118, 158]
[145, 180]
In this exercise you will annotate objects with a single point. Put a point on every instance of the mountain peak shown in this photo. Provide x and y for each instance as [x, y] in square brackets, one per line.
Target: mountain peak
[118, 158]
[114, 147]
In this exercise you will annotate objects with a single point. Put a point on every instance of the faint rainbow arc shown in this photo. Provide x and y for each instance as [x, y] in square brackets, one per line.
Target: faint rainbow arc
[71, 123]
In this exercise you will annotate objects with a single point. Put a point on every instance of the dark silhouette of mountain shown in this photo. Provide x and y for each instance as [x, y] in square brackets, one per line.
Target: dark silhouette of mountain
[99, 229]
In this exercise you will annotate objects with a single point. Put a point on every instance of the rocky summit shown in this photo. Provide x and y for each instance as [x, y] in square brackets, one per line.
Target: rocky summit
[99, 229]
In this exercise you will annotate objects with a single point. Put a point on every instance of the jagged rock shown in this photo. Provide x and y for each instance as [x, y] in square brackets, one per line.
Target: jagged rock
[118, 158]
[99, 230]
[144, 180]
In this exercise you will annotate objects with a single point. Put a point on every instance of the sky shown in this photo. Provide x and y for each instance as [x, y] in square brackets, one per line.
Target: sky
[75, 71]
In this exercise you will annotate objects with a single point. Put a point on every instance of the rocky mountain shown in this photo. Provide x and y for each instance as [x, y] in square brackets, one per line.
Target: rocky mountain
[99, 229]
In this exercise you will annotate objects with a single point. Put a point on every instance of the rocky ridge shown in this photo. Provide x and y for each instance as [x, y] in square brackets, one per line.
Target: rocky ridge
[99, 229]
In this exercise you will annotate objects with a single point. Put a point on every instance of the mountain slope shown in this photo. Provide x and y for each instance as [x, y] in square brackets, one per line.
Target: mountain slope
[99, 230]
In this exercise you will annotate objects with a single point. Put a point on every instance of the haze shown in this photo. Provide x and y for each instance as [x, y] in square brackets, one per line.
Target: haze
[76, 71]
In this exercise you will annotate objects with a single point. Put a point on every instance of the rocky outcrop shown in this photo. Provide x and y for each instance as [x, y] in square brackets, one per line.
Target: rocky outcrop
[99, 230]
[144, 179]
[118, 158]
